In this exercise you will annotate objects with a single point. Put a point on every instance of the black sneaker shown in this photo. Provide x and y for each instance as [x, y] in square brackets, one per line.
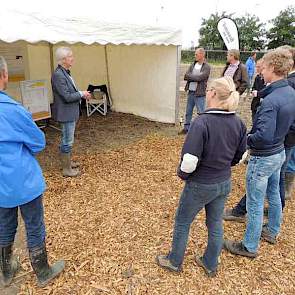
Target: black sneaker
[267, 236]
[210, 273]
[238, 248]
[230, 215]
[164, 262]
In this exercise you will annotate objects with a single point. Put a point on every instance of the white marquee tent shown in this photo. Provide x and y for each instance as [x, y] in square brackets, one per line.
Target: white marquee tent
[139, 64]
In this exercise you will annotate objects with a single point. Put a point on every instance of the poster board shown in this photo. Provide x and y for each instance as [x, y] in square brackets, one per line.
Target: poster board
[35, 99]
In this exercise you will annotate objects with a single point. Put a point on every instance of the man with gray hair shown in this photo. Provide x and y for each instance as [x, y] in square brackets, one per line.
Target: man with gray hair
[66, 107]
[21, 188]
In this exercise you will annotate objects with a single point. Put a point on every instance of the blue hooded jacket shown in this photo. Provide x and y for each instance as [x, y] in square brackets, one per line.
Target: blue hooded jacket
[21, 179]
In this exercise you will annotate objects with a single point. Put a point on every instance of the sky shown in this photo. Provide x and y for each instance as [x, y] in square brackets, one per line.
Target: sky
[184, 14]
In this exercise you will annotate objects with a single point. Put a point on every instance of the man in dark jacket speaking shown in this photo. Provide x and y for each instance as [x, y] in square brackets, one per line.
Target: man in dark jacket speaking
[66, 107]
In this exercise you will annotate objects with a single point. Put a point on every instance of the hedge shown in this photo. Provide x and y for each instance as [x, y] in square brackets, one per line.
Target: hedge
[215, 56]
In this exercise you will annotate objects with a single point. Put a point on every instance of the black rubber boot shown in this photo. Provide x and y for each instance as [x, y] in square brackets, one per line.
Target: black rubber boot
[43, 271]
[289, 185]
[9, 265]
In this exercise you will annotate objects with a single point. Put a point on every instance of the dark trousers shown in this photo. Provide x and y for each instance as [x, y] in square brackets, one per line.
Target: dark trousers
[33, 216]
[240, 208]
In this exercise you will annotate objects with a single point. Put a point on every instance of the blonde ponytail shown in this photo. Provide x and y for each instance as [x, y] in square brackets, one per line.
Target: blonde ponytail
[226, 93]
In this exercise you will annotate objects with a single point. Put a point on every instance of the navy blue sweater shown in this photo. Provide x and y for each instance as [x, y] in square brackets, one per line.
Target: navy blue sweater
[218, 139]
[274, 118]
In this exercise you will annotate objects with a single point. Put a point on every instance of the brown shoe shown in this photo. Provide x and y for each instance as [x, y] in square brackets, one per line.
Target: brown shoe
[229, 215]
[238, 248]
[164, 262]
[209, 273]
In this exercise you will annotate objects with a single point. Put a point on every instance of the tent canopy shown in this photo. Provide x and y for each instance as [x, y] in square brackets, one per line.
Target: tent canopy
[139, 64]
[35, 28]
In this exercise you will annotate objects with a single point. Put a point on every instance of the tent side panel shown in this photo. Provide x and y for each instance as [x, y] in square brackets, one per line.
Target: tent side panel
[143, 80]
[38, 64]
[15, 56]
[89, 64]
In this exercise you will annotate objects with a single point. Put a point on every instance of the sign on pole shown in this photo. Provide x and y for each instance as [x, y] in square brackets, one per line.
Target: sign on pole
[229, 33]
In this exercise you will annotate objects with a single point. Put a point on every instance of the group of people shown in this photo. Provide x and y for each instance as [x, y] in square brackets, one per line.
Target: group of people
[216, 140]
[197, 77]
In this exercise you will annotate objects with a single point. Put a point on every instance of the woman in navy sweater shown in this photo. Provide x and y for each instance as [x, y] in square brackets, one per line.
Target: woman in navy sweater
[216, 141]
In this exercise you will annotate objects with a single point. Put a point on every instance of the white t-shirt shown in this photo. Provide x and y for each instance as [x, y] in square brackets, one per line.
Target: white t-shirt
[196, 70]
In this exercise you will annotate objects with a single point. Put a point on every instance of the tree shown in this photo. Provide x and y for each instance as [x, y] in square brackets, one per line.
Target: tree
[251, 32]
[209, 35]
[283, 30]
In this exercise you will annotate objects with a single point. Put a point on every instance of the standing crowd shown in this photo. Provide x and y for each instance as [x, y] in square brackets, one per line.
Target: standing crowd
[216, 140]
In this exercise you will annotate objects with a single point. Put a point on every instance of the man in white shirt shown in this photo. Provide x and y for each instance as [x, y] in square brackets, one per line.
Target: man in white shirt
[196, 76]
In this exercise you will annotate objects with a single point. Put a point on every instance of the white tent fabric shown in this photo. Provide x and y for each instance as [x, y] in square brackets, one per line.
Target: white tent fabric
[35, 28]
[139, 64]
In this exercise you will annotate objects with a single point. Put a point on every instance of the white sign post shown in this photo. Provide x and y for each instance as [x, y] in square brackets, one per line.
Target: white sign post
[229, 33]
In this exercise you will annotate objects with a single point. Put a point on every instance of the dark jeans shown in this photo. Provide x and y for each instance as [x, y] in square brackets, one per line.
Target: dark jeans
[194, 197]
[33, 216]
[240, 208]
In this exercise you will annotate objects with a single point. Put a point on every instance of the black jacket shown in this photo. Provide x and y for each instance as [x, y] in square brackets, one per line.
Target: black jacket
[290, 138]
[258, 85]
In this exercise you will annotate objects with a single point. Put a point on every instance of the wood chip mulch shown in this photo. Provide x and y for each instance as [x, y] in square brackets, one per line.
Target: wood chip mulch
[111, 222]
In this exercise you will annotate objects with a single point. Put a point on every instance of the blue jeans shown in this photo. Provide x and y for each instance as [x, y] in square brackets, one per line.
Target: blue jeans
[194, 197]
[250, 82]
[33, 216]
[291, 164]
[192, 101]
[67, 140]
[262, 178]
[240, 208]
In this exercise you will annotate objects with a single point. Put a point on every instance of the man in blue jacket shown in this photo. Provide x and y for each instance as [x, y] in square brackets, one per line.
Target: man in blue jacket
[274, 118]
[251, 67]
[21, 186]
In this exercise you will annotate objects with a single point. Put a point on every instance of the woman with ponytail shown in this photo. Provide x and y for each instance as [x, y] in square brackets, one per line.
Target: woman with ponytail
[216, 141]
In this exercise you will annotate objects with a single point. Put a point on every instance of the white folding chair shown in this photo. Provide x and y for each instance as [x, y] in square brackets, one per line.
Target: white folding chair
[98, 102]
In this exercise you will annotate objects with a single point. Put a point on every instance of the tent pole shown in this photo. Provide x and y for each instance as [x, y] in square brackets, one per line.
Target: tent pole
[108, 75]
[51, 58]
[177, 95]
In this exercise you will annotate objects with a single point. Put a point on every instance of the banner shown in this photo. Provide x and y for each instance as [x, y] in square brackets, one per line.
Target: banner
[229, 32]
